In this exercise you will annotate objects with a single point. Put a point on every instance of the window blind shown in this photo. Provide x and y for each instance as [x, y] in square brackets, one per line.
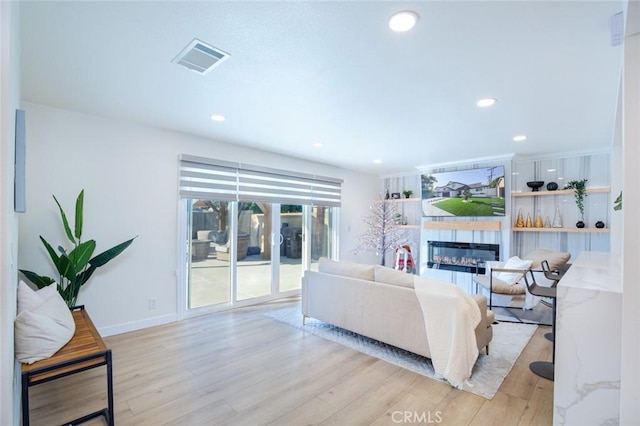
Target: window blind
[220, 180]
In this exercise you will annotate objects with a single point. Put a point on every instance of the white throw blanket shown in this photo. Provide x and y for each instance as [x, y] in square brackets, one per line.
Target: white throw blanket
[450, 318]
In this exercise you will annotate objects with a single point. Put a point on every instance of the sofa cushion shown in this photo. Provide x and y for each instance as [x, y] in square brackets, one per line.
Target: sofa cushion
[42, 330]
[500, 286]
[346, 269]
[555, 259]
[385, 275]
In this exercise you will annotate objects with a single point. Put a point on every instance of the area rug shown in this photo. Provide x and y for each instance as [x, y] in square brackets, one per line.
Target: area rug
[508, 342]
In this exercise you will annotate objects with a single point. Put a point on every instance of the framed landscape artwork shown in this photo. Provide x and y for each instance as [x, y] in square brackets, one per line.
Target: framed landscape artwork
[468, 192]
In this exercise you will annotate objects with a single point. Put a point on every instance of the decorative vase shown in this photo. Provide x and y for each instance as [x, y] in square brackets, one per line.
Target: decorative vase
[552, 186]
[580, 224]
[557, 219]
[547, 223]
[538, 223]
[535, 185]
[519, 220]
[600, 224]
[529, 223]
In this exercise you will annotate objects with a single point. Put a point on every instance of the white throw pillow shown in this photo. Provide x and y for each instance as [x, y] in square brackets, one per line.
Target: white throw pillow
[513, 263]
[29, 299]
[42, 330]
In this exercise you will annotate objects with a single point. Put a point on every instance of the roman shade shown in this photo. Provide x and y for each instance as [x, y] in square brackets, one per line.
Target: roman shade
[227, 181]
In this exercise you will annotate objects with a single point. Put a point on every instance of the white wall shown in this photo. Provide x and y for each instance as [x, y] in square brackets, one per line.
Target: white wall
[9, 102]
[130, 177]
[630, 384]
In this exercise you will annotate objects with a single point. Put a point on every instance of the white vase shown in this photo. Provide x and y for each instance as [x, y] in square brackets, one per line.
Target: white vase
[557, 219]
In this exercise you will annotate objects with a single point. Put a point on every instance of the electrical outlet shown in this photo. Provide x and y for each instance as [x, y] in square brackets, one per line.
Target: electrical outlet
[153, 303]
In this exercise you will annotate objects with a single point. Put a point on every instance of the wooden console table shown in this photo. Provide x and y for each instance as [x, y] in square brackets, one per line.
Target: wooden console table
[85, 350]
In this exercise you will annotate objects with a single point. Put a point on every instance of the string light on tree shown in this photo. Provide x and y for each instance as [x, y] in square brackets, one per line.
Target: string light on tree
[383, 234]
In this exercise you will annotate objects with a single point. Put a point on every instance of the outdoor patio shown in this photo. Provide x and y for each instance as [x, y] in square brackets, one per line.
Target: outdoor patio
[210, 279]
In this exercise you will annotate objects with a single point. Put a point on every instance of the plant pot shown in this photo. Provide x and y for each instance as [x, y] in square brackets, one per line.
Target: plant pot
[580, 224]
[600, 224]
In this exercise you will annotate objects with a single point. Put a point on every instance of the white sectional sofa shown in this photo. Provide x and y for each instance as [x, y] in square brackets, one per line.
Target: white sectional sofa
[377, 302]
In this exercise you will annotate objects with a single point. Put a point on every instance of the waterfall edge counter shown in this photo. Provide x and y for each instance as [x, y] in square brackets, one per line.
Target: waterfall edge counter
[588, 341]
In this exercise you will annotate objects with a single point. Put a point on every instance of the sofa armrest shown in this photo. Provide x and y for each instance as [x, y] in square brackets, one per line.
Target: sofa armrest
[483, 331]
[482, 304]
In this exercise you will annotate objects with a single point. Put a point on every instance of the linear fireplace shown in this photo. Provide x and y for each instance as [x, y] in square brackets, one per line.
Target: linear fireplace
[461, 257]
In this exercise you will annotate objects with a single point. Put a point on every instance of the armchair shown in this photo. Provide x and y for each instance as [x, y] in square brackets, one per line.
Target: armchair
[508, 278]
[503, 278]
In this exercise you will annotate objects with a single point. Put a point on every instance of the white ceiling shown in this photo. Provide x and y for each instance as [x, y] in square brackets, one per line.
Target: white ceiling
[332, 72]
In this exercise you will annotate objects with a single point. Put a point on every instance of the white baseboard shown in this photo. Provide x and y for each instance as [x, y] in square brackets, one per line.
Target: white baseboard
[137, 325]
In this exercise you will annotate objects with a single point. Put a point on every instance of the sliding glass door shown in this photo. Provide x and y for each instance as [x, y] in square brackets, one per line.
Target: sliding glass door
[240, 253]
[247, 227]
[254, 266]
[291, 240]
[321, 233]
[208, 242]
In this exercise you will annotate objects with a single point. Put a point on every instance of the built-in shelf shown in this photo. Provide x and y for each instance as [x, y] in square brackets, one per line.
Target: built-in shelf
[583, 230]
[594, 190]
[464, 226]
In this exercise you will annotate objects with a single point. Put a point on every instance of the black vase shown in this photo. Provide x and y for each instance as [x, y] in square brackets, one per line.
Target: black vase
[600, 224]
[580, 224]
[552, 186]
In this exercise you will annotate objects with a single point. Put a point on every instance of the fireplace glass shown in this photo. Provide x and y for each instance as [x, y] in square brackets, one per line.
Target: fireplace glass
[461, 257]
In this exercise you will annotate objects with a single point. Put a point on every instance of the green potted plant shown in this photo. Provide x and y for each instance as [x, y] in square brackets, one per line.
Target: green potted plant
[617, 203]
[407, 193]
[580, 192]
[77, 265]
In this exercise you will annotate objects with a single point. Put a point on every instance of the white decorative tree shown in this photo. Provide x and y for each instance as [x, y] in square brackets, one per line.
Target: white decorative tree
[383, 234]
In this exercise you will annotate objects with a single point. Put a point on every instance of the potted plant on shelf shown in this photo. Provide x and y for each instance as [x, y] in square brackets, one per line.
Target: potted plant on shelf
[407, 193]
[580, 192]
[76, 266]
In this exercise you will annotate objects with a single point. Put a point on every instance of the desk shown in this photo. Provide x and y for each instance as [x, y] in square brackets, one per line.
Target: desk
[588, 342]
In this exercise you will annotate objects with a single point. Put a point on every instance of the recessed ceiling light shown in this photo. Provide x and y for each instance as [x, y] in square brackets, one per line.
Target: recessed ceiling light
[377, 161]
[486, 102]
[317, 145]
[217, 117]
[551, 170]
[403, 21]
[520, 138]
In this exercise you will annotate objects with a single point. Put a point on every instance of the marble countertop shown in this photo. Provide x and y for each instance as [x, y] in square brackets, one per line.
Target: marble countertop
[600, 271]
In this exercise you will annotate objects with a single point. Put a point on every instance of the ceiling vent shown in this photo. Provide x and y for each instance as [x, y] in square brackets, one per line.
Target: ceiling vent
[200, 57]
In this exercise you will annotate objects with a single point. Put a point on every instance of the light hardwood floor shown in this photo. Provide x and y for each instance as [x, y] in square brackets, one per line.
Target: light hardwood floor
[242, 368]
